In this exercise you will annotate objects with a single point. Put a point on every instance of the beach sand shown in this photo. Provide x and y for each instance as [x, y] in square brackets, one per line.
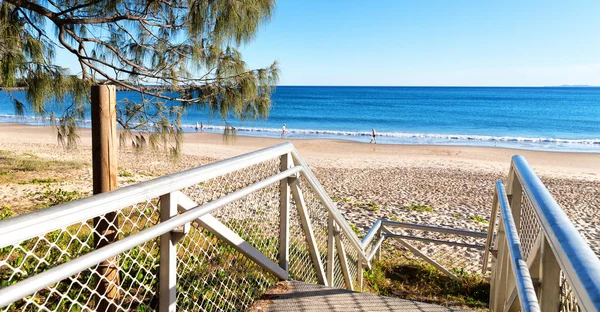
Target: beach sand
[457, 182]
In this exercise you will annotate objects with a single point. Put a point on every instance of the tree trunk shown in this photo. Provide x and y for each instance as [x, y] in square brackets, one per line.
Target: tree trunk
[104, 163]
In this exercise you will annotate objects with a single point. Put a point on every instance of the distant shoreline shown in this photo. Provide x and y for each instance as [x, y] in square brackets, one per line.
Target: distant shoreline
[588, 146]
[350, 154]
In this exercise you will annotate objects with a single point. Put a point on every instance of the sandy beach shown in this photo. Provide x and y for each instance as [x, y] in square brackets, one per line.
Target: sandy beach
[456, 182]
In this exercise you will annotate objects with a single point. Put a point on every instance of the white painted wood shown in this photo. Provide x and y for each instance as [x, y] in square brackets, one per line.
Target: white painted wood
[426, 258]
[534, 263]
[497, 283]
[328, 203]
[378, 255]
[343, 261]
[376, 247]
[284, 215]
[308, 231]
[512, 304]
[431, 228]
[220, 230]
[330, 249]
[368, 238]
[490, 233]
[436, 241]
[19, 228]
[360, 272]
[516, 194]
[168, 257]
[577, 260]
[550, 278]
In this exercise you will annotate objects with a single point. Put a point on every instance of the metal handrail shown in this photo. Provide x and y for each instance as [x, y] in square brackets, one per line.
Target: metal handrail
[58, 273]
[36, 223]
[326, 200]
[23, 227]
[580, 265]
[525, 289]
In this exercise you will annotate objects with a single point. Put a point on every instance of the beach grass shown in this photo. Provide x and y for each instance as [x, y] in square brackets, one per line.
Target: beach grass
[396, 275]
[419, 208]
[23, 168]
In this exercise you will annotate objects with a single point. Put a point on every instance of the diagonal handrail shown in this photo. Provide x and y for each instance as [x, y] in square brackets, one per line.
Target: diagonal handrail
[20, 228]
[42, 280]
[36, 223]
[577, 260]
[525, 289]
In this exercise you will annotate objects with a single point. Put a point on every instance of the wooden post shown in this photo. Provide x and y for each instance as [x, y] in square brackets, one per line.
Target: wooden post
[550, 276]
[330, 250]
[104, 168]
[516, 193]
[284, 215]
[167, 280]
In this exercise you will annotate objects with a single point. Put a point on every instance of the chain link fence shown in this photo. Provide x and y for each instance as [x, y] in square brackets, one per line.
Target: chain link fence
[211, 274]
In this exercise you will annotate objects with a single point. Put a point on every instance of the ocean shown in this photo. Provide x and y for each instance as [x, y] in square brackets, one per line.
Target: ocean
[539, 118]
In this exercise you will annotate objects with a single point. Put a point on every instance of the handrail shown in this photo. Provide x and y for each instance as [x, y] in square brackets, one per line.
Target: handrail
[36, 223]
[431, 228]
[58, 273]
[328, 203]
[575, 257]
[371, 234]
[20, 228]
[525, 289]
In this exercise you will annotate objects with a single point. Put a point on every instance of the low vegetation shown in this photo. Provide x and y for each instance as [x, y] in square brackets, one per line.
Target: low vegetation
[402, 277]
[356, 230]
[39, 181]
[344, 199]
[24, 168]
[124, 173]
[48, 197]
[419, 208]
[5, 212]
[478, 219]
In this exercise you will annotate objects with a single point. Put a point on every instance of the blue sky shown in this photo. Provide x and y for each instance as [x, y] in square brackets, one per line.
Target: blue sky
[429, 42]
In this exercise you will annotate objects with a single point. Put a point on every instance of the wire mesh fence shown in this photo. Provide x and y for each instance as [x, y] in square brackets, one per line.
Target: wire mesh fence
[134, 281]
[459, 259]
[529, 227]
[211, 274]
[568, 302]
[531, 236]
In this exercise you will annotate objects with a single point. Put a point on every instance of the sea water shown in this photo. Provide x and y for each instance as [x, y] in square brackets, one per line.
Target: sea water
[544, 118]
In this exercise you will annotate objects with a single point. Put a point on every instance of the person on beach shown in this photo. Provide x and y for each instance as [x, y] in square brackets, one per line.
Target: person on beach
[283, 130]
[197, 126]
[373, 138]
[201, 127]
[172, 129]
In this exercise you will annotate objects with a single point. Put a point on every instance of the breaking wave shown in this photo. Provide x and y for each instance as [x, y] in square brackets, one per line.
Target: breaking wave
[405, 135]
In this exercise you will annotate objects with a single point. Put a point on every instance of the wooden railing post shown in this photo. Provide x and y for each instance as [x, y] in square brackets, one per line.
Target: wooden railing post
[168, 258]
[308, 231]
[330, 249]
[516, 193]
[284, 215]
[378, 252]
[360, 272]
[549, 296]
[104, 168]
[497, 283]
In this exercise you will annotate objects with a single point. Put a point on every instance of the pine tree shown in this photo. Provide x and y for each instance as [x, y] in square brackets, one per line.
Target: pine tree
[176, 54]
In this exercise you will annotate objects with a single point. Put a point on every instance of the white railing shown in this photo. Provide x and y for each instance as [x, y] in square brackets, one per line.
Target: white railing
[445, 259]
[542, 262]
[217, 236]
[213, 237]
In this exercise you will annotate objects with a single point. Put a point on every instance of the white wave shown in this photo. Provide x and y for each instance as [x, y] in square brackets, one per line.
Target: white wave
[410, 135]
[396, 135]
